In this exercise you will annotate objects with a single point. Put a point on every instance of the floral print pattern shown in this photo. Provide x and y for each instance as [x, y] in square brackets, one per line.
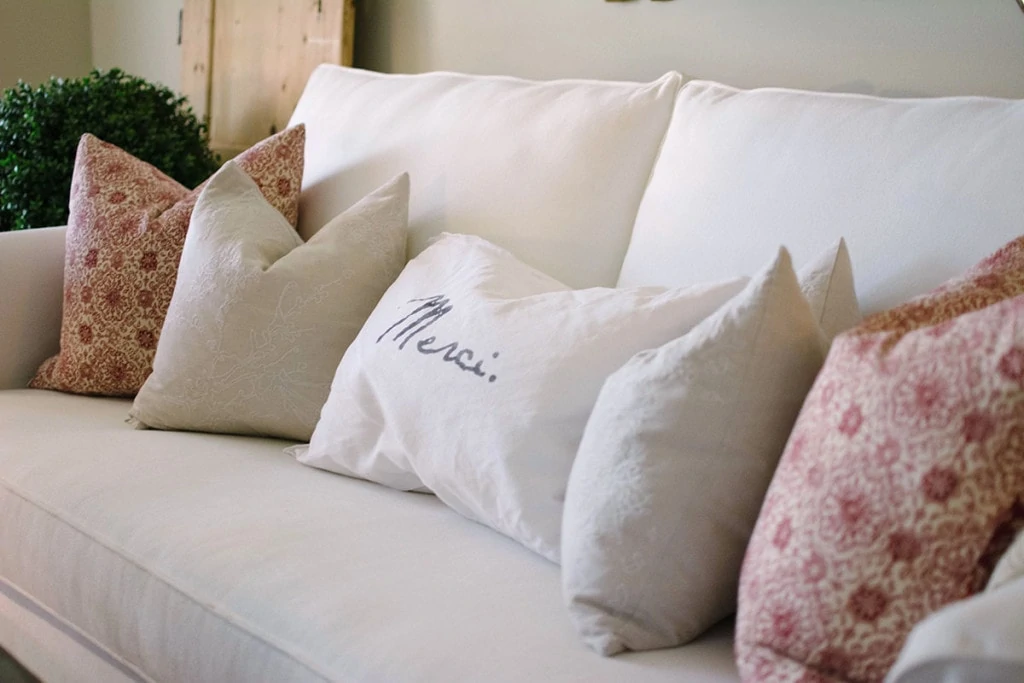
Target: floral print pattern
[900, 487]
[124, 239]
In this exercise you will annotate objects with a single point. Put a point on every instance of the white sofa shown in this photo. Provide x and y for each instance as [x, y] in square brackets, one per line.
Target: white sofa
[158, 556]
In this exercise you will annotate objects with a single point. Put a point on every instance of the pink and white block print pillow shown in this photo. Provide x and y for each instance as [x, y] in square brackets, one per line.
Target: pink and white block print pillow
[900, 486]
[125, 235]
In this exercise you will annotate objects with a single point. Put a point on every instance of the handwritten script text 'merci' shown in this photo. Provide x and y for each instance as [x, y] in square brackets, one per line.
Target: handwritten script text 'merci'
[426, 313]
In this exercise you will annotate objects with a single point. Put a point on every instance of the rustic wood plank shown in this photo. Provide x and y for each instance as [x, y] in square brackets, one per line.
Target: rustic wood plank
[263, 53]
[348, 34]
[197, 54]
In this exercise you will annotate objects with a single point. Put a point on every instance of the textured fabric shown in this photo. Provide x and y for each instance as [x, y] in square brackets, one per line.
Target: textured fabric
[920, 188]
[54, 650]
[552, 171]
[474, 378]
[213, 559]
[124, 238]
[979, 640]
[259, 320]
[996, 278]
[673, 465]
[31, 279]
[900, 486]
[827, 282]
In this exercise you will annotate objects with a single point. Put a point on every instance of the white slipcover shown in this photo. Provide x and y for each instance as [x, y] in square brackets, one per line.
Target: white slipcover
[214, 558]
[551, 171]
[920, 188]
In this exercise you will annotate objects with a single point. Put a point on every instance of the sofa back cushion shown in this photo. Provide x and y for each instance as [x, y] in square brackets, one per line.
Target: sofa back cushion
[552, 171]
[921, 189]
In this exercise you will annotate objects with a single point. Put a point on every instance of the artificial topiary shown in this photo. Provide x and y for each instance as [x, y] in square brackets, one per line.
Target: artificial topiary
[40, 128]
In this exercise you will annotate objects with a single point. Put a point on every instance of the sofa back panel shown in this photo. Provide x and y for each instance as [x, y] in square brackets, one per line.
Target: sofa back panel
[31, 296]
[921, 189]
[552, 171]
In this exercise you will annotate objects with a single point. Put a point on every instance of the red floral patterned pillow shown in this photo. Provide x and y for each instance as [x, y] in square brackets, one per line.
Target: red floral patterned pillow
[900, 486]
[124, 239]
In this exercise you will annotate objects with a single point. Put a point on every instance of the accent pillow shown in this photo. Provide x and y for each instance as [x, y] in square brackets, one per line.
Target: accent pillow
[474, 378]
[674, 464]
[900, 486]
[259, 320]
[828, 284]
[125, 232]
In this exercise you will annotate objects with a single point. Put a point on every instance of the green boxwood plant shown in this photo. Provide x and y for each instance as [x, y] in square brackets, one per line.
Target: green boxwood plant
[40, 128]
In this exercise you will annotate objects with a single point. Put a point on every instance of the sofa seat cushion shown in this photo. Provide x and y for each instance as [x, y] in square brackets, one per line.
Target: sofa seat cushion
[216, 558]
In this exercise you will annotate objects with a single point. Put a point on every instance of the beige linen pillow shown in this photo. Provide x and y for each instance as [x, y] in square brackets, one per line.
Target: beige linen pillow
[828, 284]
[259, 320]
[675, 460]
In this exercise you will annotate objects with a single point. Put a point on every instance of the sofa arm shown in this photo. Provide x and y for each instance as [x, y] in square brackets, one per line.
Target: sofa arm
[978, 640]
[31, 295]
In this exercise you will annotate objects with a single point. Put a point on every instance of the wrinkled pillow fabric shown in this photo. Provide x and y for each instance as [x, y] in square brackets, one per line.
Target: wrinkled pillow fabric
[900, 487]
[125, 232]
[474, 378]
[259, 320]
[674, 463]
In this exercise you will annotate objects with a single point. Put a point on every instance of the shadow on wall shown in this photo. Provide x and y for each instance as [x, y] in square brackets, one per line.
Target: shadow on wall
[911, 47]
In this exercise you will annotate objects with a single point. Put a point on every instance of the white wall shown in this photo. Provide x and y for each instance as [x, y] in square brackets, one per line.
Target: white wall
[138, 36]
[881, 46]
[43, 38]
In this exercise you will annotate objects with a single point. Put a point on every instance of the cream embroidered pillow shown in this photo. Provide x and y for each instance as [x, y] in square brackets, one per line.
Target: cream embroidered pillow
[674, 463]
[259, 320]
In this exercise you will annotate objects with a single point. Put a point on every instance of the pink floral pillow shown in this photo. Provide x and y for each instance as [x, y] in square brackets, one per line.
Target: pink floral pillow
[900, 487]
[124, 240]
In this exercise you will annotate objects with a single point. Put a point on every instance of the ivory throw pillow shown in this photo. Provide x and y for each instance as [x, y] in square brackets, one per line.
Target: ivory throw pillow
[474, 378]
[259, 320]
[674, 464]
[900, 487]
[125, 233]
[827, 282]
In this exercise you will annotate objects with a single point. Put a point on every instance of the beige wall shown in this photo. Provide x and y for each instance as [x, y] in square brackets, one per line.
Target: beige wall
[138, 36]
[925, 47]
[881, 46]
[43, 38]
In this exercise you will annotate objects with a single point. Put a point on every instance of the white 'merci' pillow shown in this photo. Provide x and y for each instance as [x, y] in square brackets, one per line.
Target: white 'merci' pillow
[475, 375]
[674, 464]
[259, 320]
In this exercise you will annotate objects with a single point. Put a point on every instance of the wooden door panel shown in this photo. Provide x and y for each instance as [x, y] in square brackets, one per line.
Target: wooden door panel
[258, 55]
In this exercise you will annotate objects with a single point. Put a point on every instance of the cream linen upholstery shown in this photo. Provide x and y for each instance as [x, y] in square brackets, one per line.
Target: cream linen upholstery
[58, 653]
[31, 289]
[552, 171]
[213, 558]
[920, 188]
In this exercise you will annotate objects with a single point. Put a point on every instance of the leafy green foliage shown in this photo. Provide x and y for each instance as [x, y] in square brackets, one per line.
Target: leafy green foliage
[40, 128]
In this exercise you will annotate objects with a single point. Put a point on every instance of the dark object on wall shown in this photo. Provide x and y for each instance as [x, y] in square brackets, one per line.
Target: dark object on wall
[40, 128]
